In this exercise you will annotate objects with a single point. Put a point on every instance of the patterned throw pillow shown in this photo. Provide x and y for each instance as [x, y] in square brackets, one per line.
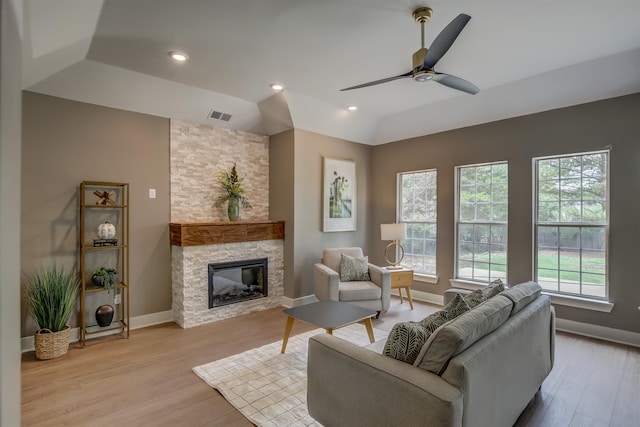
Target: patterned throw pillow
[407, 338]
[354, 268]
[475, 298]
[405, 341]
[493, 289]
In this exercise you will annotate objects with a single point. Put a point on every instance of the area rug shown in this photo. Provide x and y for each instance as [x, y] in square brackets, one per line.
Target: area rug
[269, 388]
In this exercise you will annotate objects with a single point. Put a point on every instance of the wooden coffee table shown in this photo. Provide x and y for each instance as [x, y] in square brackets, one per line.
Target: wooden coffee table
[329, 315]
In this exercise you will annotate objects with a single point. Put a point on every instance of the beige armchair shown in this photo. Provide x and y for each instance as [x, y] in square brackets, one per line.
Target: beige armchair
[374, 294]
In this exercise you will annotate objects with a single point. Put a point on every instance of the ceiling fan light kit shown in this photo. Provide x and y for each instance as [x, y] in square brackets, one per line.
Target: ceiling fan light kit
[425, 59]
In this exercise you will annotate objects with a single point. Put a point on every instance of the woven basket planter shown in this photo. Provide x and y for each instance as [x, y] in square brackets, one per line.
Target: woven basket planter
[50, 345]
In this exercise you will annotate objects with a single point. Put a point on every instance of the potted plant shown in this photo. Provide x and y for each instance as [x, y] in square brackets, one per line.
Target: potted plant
[231, 183]
[51, 294]
[106, 277]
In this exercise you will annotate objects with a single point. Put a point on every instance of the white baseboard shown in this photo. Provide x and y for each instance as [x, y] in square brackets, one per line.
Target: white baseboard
[423, 296]
[600, 332]
[137, 322]
[291, 302]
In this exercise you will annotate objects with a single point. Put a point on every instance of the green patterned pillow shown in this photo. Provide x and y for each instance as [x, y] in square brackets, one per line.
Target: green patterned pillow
[405, 341]
[475, 298]
[407, 338]
[493, 289]
[354, 268]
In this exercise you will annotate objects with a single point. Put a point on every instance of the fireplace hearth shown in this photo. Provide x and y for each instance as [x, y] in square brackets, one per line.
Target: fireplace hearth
[236, 281]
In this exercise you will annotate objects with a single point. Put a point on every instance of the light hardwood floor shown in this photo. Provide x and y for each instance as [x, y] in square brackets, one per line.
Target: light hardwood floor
[146, 380]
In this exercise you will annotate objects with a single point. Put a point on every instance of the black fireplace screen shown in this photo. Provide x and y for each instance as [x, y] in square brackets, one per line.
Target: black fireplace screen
[237, 281]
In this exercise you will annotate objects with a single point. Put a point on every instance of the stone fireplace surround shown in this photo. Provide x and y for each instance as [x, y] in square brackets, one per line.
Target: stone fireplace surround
[195, 245]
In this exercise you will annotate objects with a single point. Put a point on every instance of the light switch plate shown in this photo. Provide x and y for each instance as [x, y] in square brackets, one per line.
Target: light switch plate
[152, 193]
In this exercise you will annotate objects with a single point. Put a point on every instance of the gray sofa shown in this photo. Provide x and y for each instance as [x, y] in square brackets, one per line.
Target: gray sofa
[479, 369]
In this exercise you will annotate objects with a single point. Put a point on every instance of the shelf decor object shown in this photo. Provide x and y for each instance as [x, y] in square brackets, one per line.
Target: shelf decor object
[104, 247]
[396, 233]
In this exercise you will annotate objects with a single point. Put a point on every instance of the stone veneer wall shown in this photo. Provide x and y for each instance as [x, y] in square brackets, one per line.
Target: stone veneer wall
[198, 152]
[190, 280]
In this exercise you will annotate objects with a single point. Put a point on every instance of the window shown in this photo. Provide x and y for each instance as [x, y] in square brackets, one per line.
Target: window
[417, 206]
[572, 224]
[481, 223]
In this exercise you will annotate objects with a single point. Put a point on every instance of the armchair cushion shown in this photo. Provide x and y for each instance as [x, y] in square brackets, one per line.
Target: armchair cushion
[354, 268]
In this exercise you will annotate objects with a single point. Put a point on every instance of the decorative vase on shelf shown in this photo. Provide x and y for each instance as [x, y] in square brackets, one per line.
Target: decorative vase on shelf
[104, 315]
[233, 209]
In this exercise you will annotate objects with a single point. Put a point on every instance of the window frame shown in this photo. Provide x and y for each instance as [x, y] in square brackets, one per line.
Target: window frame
[474, 283]
[536, 224]
[426, 276]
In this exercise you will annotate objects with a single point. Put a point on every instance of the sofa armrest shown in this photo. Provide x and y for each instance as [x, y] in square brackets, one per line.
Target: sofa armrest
[350, 385]
[325, 283]
[381, 277]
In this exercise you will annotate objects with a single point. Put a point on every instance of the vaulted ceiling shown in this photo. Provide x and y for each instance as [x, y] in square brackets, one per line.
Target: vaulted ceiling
[524, 56]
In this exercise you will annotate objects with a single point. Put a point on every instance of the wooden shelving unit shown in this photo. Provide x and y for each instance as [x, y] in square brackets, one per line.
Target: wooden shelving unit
[115, 256]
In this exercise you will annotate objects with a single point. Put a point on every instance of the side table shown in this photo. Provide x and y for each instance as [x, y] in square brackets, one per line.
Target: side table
[402, 279]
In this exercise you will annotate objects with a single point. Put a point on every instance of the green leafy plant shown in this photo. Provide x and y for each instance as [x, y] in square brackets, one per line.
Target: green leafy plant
[231, 184]
[51, 296]
[106, 277]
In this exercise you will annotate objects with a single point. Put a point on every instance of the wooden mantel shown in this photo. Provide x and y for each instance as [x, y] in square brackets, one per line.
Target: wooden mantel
[213, 233]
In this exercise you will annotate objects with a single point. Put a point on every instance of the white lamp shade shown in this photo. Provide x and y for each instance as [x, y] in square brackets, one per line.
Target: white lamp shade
[393, 231]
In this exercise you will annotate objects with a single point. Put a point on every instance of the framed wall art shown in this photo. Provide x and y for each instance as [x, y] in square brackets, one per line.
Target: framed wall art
[339, 195]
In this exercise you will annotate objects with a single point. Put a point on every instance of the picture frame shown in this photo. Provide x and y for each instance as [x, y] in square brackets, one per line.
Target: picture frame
[339, 195]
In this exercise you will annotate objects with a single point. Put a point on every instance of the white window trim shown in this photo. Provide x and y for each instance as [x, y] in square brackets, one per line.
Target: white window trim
[556, 299]
[583, 302]
[418, 277]
[580, 302]
[425, 278]
[466, 283]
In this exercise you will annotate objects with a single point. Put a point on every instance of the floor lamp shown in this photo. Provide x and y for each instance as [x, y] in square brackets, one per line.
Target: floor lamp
[395, 232]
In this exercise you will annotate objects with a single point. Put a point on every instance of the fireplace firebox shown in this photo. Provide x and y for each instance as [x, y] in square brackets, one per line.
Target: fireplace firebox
[236, 281]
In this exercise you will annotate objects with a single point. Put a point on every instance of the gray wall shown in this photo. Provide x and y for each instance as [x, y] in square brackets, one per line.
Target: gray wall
[308, 239]
[65, 142]
[10, 113]
[281, 196]
[610, 123]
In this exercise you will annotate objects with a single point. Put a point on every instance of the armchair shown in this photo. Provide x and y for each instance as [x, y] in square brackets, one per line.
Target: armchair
[374, 294]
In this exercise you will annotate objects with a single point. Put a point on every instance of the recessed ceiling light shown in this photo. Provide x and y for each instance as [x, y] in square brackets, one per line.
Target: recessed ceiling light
[352, 108]
[276, 86]
[178, 56]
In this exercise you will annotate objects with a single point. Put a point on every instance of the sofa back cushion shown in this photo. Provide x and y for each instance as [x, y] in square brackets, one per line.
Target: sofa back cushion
[521, 295]
[457, 335]
[333, 256]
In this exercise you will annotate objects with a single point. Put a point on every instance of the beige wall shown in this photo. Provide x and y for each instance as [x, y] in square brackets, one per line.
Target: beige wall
[610, 123]
[65, 142]
[10, 113]
[281, 197]
[309, 239]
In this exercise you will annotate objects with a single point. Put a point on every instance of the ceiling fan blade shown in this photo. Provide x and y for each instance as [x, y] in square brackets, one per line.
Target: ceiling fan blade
[444, 40]
[377, 82]
[456, 83]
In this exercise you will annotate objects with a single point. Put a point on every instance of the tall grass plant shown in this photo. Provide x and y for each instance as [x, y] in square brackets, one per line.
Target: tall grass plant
[52, 293]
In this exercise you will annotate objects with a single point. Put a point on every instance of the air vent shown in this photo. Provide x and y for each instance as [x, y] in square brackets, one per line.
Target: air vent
[213, 114]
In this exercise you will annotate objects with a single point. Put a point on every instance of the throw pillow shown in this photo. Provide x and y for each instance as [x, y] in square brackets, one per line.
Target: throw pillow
[493, 289]
[475, 298]
[354, 268]
[405, 341]
[407, 338]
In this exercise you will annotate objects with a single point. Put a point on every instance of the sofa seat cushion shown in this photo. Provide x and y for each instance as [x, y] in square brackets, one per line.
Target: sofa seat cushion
[359, 290]
[521, 295]
[406, 339]
[457, 335]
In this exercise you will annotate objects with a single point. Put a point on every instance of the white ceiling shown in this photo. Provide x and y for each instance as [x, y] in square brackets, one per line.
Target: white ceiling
[525, 56]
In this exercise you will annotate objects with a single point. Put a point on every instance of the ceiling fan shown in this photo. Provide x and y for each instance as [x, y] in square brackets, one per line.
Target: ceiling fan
[425, 59]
